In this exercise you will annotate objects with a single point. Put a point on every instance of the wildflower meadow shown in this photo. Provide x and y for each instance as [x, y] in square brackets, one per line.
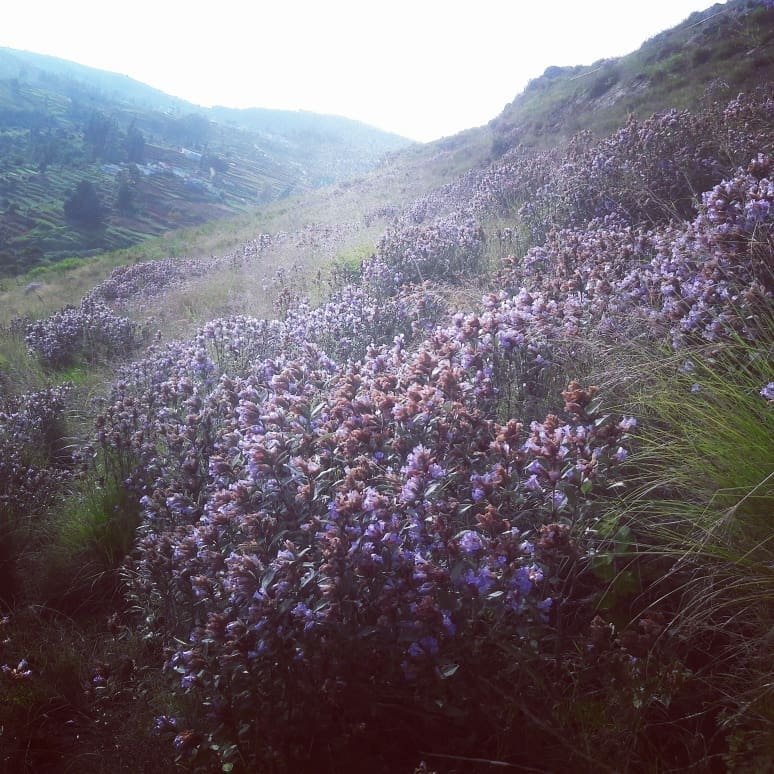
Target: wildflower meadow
[493, 498]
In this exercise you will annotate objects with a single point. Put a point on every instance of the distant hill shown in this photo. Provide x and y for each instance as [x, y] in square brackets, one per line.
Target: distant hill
[92, 160]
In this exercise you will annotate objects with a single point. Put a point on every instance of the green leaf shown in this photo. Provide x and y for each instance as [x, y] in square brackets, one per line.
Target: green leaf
[602, 567]
[268, 578]
[624, 537]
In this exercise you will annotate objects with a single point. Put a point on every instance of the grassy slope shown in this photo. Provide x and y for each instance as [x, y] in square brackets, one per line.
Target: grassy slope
[716, 50]
[396, 182]
[598, 98]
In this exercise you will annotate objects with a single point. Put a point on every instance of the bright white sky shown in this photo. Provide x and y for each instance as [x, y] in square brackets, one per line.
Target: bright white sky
[421, 68]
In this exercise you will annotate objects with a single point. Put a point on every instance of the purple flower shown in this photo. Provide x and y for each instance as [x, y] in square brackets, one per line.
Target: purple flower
[424, 648]
[482, 580]
[532, 484]
[767, 392]
[188, 681]
[521, 581]
[411, 489]
[165, 723]
[470, 541]
[436, 471]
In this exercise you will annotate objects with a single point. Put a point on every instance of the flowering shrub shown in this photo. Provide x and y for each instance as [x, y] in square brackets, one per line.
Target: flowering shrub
[328, 504]
[648, 171]
[358, 316]
[32, 458]
[702, 280]
[89, 332]
[150, 278]
[304, 513]
[147, 279]
[447, 248]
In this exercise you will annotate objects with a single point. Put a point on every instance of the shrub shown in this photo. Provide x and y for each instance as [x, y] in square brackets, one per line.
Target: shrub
[35, 463]
[366, 515]
[90, 333]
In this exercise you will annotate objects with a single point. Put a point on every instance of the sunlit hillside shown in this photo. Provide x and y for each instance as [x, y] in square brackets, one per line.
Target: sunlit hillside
[459, 465]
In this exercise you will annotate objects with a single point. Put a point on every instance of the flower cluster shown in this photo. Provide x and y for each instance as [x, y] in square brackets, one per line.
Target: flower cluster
[703, 280]
[357, 317]
[356, 486]
[150, 278]
[34, 461]
[88, 332]
[447, 248]
[20, 672]
[646, 172]
[297, 509]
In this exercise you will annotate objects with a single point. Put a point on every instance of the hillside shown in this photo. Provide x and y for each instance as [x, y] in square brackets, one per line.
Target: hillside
[461, 465]
[717, 52]
[145, 162]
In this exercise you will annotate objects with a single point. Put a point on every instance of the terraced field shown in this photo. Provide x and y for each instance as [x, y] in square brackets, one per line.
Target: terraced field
[156, 163]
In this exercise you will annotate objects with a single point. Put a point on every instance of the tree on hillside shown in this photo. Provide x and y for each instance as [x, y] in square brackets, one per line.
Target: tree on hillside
[125, 200]
[209, 161]
[44, 149]
[83, 207]
[192, 130]
[103, 135]
[134, 144]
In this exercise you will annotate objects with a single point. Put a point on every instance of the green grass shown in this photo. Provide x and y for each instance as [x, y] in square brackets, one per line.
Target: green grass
[700, 514]
[19, 372]
[86, 540]
[710, 436]
[59, 719]
[98, 521]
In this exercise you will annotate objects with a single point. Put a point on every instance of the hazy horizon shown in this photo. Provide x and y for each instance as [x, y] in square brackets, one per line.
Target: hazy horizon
[422, 71]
